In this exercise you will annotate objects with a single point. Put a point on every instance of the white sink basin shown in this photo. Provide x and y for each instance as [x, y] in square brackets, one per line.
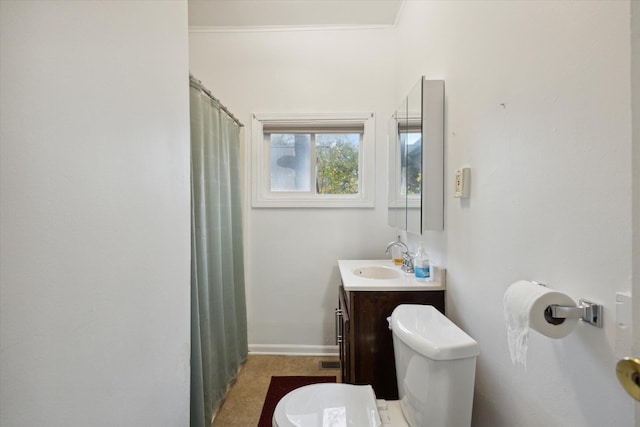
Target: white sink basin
[377, 272]
[383, 275]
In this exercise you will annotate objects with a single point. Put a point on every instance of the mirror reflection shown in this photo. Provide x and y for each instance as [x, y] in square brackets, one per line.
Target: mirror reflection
[416, 155]
[397, 202]
[411, 143]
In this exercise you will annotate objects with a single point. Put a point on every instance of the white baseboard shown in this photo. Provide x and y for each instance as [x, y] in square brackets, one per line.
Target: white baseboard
[294, 350]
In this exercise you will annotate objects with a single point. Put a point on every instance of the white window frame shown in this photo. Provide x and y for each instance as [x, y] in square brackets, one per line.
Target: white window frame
[263, 197]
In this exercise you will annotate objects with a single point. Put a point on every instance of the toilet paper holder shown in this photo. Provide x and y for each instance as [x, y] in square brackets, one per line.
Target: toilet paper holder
[586, 311]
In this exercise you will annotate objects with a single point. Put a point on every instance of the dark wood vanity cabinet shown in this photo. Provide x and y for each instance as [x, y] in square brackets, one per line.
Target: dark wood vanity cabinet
[343, 331]
[364, 337]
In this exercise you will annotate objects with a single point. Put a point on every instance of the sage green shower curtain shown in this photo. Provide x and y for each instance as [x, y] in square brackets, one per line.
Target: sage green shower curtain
[218, 309]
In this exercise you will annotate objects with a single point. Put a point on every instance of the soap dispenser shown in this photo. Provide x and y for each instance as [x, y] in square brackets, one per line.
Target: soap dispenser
[421, 265]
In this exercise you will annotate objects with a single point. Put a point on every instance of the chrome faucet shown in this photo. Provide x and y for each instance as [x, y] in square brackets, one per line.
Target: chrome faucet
[396, 243]
[407, 258]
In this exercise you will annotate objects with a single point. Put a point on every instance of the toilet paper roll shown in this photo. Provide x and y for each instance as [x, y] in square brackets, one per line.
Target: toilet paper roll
[526, 302]
[524, 308]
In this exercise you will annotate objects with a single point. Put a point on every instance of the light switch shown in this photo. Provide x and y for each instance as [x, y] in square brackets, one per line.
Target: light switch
[462, 184]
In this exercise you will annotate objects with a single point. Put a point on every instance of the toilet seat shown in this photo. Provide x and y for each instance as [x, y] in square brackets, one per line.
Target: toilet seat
[328, 405]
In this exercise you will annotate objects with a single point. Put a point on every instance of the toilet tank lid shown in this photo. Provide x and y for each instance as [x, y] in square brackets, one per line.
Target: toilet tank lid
[428, 332]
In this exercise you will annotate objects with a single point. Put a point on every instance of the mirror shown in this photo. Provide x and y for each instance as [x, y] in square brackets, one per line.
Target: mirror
[397, 197]
[416, 159]
[411, 144]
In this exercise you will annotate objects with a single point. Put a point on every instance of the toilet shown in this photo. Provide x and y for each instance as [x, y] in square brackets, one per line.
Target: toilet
[435, 367]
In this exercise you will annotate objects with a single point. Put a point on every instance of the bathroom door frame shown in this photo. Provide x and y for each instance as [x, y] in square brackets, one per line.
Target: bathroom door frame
[635, 185]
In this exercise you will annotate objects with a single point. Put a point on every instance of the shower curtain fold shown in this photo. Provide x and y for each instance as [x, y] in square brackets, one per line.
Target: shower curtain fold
[218, 308]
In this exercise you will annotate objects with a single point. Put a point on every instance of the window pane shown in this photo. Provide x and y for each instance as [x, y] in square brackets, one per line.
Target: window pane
[290, 162]
[411, 157]
[337, 163]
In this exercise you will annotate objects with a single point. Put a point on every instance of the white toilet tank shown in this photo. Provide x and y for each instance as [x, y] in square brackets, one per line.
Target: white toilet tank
[435, 366]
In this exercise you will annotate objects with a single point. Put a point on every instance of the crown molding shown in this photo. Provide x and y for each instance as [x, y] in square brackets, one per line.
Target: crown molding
[284, 28]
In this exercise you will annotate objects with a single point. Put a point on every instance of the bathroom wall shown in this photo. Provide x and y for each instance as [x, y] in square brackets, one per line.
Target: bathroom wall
[94, 230]
[291, 254]
[538, 106]
[635, 169]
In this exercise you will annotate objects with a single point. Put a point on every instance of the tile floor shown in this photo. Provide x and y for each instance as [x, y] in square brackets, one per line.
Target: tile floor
[243, 404]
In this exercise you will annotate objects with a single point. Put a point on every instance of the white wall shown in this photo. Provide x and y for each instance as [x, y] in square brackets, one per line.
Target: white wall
[94, 151]
[292, 254]
[538, 97]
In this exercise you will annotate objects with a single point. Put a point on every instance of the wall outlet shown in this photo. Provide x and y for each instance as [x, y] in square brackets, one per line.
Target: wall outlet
[462, 184]
[624, 336]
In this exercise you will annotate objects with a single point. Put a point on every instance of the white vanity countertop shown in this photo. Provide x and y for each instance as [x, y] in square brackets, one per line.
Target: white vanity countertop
[405, 281]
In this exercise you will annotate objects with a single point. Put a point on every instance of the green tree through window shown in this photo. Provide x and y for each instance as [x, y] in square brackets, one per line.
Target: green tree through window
[313, 160]
[337, 163]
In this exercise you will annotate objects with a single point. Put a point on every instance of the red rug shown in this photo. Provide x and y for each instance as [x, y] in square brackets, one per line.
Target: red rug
[279, 387]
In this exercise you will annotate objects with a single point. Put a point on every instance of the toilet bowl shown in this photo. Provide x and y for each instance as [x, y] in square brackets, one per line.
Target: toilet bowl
[328, 404]
[435, 368]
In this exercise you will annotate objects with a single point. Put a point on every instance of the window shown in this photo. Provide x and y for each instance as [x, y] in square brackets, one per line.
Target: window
[313, 161]
[411, 154]
[405, 163]
[410, 137]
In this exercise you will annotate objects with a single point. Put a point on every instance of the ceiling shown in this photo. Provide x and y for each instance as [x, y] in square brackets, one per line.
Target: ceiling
[248, 14]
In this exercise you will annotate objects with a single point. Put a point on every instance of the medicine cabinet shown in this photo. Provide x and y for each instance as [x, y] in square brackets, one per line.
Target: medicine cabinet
[416, 159]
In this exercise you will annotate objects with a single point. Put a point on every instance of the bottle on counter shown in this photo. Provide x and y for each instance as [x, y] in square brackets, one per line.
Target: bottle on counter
[421, 265]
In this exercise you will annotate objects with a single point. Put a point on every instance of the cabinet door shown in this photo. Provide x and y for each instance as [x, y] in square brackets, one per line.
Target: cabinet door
[344, 341]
